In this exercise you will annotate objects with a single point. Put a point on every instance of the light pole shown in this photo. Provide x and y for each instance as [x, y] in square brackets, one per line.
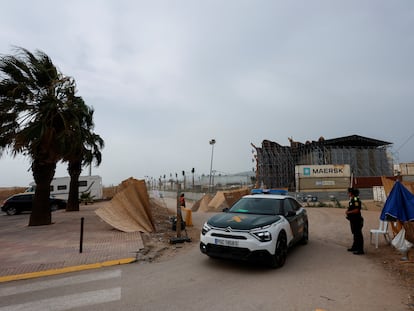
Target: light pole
[212, 142]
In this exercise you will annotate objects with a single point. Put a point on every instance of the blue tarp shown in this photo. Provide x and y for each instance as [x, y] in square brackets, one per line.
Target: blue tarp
[399, 204]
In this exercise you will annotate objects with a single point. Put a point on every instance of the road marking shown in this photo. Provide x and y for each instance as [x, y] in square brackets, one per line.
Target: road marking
[42, 285]
[32, 275]
[63, 303]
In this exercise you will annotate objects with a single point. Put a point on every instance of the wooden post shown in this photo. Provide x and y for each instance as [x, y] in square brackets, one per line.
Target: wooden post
[179, 216]
[81, 236]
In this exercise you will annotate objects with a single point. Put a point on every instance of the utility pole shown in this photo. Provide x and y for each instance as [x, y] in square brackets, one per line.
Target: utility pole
[179, 214]
[179, 238]
[212, 142]
[192, 171]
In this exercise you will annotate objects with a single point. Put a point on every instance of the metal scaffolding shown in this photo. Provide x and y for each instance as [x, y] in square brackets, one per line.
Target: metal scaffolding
[275, 164]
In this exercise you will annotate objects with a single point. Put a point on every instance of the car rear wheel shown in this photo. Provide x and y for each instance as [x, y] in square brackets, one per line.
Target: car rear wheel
[54, 207]
[279, 258]
[11, 211]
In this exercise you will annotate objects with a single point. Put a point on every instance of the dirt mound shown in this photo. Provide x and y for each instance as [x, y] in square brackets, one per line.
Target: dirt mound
[202, 204]
[221, 200]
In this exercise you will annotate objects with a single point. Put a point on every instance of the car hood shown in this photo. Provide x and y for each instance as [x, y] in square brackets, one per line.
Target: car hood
[242, 221]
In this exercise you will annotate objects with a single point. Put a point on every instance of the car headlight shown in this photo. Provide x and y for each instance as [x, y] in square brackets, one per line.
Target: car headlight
[262, 236]
[206, 228]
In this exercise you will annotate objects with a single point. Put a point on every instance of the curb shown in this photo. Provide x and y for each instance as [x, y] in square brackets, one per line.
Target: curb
[38, 274]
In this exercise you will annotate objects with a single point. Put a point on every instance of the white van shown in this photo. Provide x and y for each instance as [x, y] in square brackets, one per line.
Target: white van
[59, 187]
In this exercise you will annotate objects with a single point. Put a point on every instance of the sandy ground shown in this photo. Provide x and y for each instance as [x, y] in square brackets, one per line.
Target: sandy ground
[158, 247]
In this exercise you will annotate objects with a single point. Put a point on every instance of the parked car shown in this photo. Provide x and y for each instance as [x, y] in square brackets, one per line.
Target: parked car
[22, 202]
[306, 198]
[260, 226]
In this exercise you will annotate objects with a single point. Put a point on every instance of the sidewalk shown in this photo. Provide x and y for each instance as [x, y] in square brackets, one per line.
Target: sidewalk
[28, 252]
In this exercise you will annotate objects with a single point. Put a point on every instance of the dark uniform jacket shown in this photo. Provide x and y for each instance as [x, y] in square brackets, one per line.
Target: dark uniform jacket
[354, 203]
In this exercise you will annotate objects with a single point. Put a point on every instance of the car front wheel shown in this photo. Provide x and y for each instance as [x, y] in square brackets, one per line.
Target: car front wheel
[305, 237]
[279, 258]
[54, 207]
[11, 211]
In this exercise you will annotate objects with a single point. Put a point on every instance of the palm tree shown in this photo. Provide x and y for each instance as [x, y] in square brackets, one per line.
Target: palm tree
[35, 119]
[86, 146]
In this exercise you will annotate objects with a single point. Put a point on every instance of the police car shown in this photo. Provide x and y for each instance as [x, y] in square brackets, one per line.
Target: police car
[260, 226]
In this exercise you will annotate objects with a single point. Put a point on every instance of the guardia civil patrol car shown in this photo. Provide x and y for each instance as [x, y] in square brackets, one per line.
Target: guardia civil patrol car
[260, 226]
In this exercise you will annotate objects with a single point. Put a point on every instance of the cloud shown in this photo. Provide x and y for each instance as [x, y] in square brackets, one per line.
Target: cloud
[165, 77]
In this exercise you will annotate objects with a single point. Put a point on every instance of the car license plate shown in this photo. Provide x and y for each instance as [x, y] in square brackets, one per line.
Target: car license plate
[226, 242]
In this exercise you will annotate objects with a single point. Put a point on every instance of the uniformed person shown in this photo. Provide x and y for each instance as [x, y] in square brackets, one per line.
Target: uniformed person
[353, 214]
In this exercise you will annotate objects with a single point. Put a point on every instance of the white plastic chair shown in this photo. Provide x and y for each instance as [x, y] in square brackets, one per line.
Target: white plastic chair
[382, 229]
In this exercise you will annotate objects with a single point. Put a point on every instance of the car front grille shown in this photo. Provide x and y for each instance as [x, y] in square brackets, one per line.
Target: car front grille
[227, 252]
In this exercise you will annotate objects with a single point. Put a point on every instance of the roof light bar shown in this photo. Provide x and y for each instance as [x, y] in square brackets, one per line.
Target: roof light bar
[269, 191]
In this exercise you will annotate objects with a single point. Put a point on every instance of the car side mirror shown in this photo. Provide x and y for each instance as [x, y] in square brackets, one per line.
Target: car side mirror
[225, 210]
[290, 214]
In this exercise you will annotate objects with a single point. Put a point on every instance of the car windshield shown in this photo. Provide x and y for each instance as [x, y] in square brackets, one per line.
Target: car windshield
[258, 206]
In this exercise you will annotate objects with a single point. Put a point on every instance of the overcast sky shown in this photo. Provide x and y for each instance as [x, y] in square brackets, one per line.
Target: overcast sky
[165, 77]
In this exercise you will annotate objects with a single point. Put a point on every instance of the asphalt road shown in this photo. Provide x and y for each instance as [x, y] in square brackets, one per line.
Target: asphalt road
[319, 276]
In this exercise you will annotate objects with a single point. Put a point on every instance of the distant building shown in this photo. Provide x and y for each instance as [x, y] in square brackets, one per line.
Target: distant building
[275, 164]
[202, 183]
[405, 171]
[219, 180]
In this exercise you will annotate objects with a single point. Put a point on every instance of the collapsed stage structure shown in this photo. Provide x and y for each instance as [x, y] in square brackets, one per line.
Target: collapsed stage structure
[275, 164]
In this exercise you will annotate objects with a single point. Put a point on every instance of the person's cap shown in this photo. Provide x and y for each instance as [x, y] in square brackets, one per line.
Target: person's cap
[353, 191]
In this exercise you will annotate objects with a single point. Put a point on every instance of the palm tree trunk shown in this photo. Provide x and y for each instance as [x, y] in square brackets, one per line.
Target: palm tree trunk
[74, 169]
[43, 174]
